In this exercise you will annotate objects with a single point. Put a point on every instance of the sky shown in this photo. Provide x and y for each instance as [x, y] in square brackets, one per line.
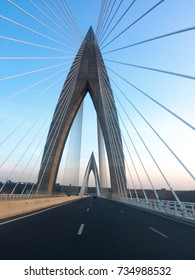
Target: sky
[27, 101]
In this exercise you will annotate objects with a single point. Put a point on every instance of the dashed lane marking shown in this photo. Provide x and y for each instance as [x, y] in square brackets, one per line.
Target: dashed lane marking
[81, 229]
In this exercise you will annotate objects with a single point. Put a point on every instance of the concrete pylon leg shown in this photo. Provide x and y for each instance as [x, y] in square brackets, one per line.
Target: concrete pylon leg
[88, 79]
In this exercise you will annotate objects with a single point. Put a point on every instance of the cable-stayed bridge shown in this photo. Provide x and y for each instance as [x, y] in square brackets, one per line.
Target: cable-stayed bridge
[117, 101]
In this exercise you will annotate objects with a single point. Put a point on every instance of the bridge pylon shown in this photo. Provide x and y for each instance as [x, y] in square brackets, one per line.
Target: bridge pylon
[87, 74]
[92, 166]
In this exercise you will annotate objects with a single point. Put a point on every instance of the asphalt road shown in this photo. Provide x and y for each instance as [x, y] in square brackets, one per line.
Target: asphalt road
[96, 229]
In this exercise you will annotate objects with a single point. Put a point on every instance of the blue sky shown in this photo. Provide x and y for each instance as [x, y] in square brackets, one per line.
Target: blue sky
[36, 104]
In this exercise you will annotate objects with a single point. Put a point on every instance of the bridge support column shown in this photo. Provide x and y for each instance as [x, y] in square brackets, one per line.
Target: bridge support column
[87, 74]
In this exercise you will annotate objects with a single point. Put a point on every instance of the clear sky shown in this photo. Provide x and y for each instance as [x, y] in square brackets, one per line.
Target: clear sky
[27, 101]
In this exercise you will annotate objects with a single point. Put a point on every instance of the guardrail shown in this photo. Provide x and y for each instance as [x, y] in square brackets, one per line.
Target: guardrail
[27, 196]
[182, 210]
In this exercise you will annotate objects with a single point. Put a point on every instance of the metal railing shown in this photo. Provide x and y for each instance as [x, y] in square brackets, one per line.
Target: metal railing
[4, 197]
[182, 210]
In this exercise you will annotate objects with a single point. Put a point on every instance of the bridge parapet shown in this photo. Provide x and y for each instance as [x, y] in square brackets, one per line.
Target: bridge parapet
[13, 207]
[183, 210]
[27, 196]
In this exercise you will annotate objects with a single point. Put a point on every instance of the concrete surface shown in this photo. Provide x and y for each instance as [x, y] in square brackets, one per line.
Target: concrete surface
[10, 208]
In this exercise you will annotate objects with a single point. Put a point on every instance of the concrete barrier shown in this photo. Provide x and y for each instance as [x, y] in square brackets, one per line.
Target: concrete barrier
[12, 208]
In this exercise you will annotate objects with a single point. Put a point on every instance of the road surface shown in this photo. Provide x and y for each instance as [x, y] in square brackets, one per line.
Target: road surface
[95, 229]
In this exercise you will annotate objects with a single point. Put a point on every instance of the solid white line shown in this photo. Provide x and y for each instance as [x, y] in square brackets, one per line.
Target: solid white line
[81, 229]
[122, 211]
[33, 214]
[158, 232]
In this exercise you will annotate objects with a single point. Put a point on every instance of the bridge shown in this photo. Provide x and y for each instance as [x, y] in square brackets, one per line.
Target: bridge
[97, 130]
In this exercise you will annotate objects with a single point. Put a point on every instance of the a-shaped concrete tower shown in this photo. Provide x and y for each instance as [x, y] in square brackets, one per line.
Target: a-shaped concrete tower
[87, 74]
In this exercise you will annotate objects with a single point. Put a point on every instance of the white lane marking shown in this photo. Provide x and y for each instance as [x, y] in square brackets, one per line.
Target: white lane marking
[122, 211]
[158, 232]
[33, 214]
[87, 209]
[81, 229]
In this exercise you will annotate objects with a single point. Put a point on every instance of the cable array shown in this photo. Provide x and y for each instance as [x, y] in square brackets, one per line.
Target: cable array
[146, 61]
[115, 75]
[41, 31]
